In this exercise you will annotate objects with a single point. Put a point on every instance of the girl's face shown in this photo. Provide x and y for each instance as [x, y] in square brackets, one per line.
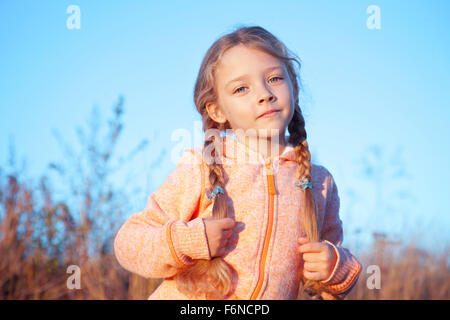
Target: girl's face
[249, 83]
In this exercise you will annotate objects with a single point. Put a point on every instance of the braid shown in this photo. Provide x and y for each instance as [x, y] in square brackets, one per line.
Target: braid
[308, 210]
[211, 277]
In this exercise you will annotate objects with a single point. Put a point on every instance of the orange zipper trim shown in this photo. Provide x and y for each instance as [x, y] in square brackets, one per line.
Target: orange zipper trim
[262, 264]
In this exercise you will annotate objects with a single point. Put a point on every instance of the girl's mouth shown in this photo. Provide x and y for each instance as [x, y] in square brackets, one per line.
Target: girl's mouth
[270, 113]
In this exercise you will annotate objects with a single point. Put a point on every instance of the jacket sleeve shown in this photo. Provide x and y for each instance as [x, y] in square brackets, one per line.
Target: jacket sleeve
[347, 268]
[157, 241]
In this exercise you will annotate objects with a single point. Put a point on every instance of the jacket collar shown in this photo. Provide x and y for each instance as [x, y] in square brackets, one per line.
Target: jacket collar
[236, 150]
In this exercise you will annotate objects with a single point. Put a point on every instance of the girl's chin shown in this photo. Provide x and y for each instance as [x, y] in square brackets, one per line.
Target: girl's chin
[273, 129]
[269, 130]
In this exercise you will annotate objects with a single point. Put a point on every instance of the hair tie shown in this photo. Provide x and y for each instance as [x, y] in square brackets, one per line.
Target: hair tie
[304, 183]
[212, 194]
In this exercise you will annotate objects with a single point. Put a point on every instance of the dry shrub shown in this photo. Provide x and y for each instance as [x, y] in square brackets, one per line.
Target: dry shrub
[40, 237]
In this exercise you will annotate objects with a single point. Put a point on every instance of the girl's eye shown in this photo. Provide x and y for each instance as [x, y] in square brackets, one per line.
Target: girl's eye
[276, 78]
[238, 90]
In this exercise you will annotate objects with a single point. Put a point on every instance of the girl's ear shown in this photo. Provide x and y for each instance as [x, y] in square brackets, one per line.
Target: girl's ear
[215, 112]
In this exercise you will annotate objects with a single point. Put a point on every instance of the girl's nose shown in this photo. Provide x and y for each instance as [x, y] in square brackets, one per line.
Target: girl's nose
[268, 97]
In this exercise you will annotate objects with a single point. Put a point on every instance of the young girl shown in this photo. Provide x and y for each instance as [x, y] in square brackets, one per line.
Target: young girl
[225, 227]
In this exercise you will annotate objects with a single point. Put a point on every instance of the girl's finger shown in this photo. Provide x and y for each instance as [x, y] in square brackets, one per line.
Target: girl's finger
[313, 275]
[313, 267]
[313, 257]
[311, 247]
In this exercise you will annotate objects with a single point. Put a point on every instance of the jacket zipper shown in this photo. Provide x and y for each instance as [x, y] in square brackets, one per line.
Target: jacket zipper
[262, 264]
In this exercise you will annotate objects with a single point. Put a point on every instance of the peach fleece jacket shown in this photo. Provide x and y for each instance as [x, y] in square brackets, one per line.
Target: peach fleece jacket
[262, 251]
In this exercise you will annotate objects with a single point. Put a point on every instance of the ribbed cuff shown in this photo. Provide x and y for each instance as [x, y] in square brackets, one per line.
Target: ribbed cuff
[336, 264]
[189, 240]
[345, 273]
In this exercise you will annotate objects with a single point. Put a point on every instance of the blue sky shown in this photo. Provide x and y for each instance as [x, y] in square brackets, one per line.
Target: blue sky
[364, 90]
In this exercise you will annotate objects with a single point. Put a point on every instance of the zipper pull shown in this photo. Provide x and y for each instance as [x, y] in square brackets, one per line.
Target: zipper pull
[270, 180]
[269, 166]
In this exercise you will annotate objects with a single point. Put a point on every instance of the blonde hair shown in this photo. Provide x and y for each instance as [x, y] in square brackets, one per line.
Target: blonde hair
[214, 277]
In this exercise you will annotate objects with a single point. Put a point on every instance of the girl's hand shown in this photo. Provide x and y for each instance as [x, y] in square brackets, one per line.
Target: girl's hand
[319, 259]
[218, 231]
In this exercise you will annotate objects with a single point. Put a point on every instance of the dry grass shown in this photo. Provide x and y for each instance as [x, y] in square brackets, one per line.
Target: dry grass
[39, 240]
[36, 253]
[407, 273]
